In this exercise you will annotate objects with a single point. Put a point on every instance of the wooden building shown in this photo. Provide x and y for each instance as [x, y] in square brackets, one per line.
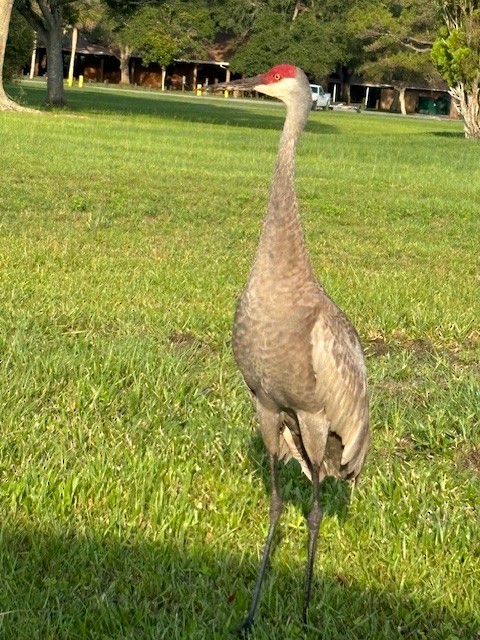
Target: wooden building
[381, 97]
[97, 63]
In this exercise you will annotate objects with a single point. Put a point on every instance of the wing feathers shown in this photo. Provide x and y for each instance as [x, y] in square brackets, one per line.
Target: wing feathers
[341, 385]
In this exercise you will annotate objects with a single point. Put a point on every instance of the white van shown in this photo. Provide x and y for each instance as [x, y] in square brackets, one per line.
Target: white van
[320, 99]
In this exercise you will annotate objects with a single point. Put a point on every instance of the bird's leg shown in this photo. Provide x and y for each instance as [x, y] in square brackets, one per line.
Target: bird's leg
[275, 511]
[314, 520]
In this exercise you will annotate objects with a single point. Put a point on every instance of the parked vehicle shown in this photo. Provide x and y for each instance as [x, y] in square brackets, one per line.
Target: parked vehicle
[320, 99]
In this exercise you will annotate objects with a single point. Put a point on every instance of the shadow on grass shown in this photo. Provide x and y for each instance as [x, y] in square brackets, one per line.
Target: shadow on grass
[169, 105]
[65, 585]
[448, 134]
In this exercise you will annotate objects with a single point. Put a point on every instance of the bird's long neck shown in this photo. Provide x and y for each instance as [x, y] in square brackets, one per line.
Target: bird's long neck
[281, 251]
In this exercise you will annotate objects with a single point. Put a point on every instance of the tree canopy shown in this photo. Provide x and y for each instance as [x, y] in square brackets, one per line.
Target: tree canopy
[456, 53]
[173, 29]
[300, 39]
[396, 37]
[19, 47]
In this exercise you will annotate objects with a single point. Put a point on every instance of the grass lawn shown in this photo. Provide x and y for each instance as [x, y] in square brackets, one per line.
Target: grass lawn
[133, 484]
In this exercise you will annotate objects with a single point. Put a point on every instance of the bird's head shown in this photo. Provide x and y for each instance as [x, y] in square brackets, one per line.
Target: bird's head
[283, 81]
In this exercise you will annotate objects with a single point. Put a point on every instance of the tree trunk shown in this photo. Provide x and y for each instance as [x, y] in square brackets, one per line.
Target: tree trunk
[5, 12]
[48, 23]
[125, 53]
[345, 81]
[467, 101]
[401, 97]
[195, 71]
[55, 92]
[164, 74]
[33, 60]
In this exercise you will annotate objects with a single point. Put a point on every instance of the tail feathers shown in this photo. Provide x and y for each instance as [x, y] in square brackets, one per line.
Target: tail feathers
[291, 447]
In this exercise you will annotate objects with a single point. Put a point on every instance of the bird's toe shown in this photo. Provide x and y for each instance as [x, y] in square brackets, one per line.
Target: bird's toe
[244, 630]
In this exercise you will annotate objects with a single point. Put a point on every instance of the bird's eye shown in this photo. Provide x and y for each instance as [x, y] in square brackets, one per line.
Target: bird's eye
[276, 76]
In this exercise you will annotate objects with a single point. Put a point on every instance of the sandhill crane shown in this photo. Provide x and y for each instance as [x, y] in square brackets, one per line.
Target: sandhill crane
[299, 354]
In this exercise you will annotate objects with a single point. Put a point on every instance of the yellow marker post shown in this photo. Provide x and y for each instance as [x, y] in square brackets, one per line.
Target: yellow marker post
[199, 89]
[225, 93]
[80, 81]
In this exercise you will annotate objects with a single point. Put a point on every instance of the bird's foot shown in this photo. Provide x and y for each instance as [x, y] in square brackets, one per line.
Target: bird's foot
[244, 630]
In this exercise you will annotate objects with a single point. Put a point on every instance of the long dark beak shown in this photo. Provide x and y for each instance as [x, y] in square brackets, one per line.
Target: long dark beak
[245, 84]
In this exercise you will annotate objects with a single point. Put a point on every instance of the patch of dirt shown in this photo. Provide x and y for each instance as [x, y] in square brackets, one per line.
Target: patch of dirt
[183, 339]
[472, 460]
[421, 348]
[377, 347]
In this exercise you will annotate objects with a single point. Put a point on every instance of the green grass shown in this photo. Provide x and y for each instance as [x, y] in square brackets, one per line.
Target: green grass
[133, 486]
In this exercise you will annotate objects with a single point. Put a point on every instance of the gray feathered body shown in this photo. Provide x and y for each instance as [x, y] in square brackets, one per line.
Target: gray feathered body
[299, 354]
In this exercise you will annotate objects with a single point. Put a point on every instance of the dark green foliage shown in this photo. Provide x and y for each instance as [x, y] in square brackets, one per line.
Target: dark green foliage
[265, 47]
[174, 29]
[306, 41]
[396, 37]
[456, 51]
[401, 68]
[19, 47]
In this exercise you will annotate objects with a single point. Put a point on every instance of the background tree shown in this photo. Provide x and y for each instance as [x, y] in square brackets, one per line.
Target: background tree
[397, 37]
[352, 54]
[172, 30]
[456, 54]
[297, 32]
[5, 15]
[16, 40]
[401, 69]
[45, 17]
[110, 28]
[19, 47]
[264, 46]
